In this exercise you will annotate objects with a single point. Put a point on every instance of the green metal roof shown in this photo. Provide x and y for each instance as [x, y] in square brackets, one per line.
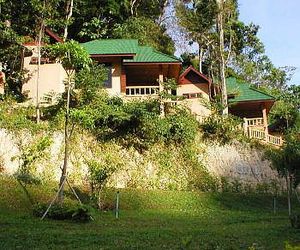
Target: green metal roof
[147, 54]
[127, 46]
[111, 46]
[243, 91]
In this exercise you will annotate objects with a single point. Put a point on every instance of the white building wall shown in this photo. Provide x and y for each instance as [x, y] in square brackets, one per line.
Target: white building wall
[52, 77]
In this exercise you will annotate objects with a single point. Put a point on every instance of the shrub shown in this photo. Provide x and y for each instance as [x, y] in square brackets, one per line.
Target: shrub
[221, 128]
[79, 213]
[182, 127]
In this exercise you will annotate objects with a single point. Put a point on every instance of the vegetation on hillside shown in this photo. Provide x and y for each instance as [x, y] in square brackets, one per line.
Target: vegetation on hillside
[105, 133]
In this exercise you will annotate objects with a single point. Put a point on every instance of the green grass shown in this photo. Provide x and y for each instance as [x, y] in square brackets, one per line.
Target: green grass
[149, 220]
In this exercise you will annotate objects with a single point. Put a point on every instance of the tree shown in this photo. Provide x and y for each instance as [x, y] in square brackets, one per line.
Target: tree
[93, 19]
[285, 115]
[147, 32]
[287, 162]
[198, 19]
[68, 12]
[73, 57]
[210, 25]
[227, 46]
[100, 172]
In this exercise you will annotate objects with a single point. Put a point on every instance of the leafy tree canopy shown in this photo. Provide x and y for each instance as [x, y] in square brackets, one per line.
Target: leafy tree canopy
[147, 32]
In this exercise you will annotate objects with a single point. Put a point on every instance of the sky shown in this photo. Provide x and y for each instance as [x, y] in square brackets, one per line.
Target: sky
[279, 22]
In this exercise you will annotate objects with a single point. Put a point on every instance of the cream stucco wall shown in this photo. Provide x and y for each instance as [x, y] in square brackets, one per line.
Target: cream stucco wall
[52, 77]
[193, 88]
[116, 79]
[196, 105]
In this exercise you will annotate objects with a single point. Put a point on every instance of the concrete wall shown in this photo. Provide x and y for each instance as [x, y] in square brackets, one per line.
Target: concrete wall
[52, 77]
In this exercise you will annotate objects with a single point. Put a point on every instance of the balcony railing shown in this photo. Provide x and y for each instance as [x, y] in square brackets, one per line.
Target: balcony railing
[262, 135]
[254, 122]
[142, 90]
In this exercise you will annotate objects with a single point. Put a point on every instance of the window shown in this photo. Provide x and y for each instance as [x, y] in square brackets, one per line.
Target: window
[43, 60]
[108, 81]
[192, 95]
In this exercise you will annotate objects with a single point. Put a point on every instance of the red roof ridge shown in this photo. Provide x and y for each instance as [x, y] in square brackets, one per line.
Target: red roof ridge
[191, 68]
[53, 35]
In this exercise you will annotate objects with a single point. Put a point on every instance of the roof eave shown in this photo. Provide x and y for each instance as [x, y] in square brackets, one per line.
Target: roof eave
[253, 101]
[153, 63]
[195, 71]
[124, 55]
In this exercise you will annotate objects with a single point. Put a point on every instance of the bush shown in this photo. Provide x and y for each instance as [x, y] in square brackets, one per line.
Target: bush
[222, 129]
[79, 213]
[182, 127]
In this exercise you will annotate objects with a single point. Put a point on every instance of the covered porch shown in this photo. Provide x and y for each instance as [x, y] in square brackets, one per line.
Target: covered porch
[145, 79]
[255, 120]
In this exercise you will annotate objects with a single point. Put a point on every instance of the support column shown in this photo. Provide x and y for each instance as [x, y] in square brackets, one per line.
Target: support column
[265, 119]
[245, 126]
[123, 80]
[161, 88]
[160, 78]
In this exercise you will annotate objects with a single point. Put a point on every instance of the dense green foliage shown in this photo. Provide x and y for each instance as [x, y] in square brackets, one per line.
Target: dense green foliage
[285, 115]
[244, 52]
[95, 19]
[221, 129]
[287, 159]
[147, 32]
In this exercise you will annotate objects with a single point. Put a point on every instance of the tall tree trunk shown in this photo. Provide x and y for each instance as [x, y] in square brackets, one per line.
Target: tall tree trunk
[38, 112]
[132, 4]
[163, 6]
[69, 13]
[67, 142]
[221, 55]
[200, 58]
[288, 184]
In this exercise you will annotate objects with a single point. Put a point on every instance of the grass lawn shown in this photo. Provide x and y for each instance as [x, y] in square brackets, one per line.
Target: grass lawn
[150, 220]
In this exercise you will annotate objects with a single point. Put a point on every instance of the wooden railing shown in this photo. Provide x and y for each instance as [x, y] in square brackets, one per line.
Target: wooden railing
[254, 122]
[257, 134]
[254, 128]
[275, 140]
[262, 135]
[142, 90]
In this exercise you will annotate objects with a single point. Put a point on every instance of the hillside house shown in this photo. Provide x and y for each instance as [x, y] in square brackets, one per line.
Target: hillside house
[136, 71]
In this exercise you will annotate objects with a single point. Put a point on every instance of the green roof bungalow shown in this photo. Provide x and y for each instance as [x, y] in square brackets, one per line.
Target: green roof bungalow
[249, 103]
[134, 70]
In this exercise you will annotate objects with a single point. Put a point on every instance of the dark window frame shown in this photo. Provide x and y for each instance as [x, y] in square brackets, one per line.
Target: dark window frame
[108, 82]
